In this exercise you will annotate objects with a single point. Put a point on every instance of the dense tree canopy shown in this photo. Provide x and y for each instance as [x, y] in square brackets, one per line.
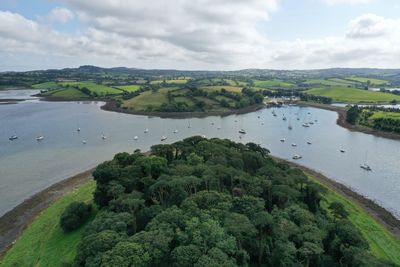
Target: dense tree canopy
[201, 202]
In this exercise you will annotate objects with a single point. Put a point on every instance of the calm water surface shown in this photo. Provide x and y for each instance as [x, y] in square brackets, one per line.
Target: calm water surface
[28, 166]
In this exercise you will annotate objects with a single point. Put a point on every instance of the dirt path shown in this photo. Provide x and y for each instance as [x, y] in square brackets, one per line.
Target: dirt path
[15, 221]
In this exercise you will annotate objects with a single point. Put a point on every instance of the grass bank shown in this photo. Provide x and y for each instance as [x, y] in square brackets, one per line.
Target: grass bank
[382, 243]
[44, 243]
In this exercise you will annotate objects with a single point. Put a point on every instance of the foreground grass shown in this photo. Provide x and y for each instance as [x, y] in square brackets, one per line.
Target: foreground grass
[353, 95]
[382, 243]
[44, 243]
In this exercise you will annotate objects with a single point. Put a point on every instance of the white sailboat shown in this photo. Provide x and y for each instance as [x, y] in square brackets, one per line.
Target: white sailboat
[163, 138]
[146, 130]
[135, 137]
[365, 166]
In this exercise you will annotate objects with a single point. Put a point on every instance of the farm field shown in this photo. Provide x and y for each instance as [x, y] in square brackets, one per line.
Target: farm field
[329, 82]
[148, 99]
[68, 93]
[353, 95]
[273, 83]
[233, 89]
[385, 115]
[172, 81]
[46, 85]
[375, 82]
[93, 87]
[129, 88]
[44, 243]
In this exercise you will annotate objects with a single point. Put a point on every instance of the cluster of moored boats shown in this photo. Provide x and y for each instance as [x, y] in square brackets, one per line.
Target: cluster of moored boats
[241, 132]
[307, 124]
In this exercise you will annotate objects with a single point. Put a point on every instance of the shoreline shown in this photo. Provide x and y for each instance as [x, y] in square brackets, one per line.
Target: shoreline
[379, 213]
[111, 106]
[15, 221]
[341, 121]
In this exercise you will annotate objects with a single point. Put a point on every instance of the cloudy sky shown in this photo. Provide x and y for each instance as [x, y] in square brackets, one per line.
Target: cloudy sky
[199, 34]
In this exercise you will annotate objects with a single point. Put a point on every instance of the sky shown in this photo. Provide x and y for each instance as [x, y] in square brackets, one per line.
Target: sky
[199, 34]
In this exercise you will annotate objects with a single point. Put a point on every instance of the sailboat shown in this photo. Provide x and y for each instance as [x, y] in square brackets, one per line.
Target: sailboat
[290, 125]
[39, 138]
[242, 131]
[13, 137]
[163, 138]
[175, 131]
[189, 126]
[135, 137]
[103, 136]
[282, 140]
[296, 157]
[146, 130]
[84, 142]
[365, 166]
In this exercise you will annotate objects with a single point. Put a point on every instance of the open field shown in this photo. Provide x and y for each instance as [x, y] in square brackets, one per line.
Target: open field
[353, 95]
[93, 87]
[235, 82]
[382, 243]
[273, 83]
[172, 81]
[329, 82]
[129, 88]
[376, 82]
[233, 89]
[44, 243]
[385, 115]
[46, 85]
[148, 98]
[68, 93]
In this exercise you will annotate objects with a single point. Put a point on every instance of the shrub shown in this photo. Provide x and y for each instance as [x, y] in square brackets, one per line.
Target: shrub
[74, 215]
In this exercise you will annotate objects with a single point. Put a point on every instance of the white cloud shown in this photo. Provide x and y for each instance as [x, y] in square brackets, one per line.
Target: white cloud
[60, 14]
[211, 34]
[347, 2]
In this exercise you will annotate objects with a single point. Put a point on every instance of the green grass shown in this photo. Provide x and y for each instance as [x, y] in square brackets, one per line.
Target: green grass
[129, 88]
[172, 81]
[353, 95]
[94, 87]
[382, 243]
[233, 89]
[273, 83]
[46, 85]
[44, 243]
[386, 115]
[148, 98]
[376, 82]
[327, 82]
[68, 93]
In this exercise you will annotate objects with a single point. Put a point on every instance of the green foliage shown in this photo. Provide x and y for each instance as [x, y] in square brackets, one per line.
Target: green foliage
[201, 202]
[75, 215]
[352, 114]
[353, 95]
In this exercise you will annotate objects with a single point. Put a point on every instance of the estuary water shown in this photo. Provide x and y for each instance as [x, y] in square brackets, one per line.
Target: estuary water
[28, 166]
